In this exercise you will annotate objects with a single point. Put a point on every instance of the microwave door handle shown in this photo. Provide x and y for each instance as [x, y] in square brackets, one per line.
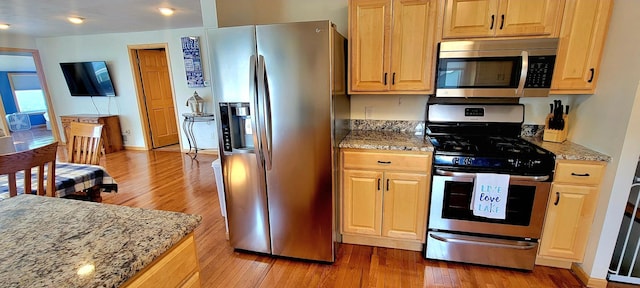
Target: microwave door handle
[523, 74]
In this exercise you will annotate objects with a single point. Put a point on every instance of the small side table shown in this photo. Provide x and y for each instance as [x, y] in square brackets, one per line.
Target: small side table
[187, 126]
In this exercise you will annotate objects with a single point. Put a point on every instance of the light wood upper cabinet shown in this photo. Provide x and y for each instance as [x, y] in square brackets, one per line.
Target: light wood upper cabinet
[501, 18]
[391, 46]
[584, 29]
[570, 211]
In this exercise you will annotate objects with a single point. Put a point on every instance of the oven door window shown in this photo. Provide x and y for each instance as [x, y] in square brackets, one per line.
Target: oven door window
[486, 72]
[457, 200]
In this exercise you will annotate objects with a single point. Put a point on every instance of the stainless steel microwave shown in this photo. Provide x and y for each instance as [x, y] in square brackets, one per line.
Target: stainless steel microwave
[496, 68]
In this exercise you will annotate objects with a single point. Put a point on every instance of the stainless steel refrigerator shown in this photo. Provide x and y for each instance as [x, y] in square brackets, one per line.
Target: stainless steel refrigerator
[281, 105]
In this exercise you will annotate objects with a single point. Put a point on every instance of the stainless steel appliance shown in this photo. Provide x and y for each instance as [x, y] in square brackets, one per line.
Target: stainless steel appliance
[484, 138]
[282, 110]
[496, 68]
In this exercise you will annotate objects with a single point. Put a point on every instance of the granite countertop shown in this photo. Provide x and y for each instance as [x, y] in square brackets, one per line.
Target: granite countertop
[47, 240]
[386, 140]
[568, 150]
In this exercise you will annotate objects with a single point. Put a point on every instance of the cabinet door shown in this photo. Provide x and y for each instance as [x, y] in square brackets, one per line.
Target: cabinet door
[362, 206]
[584, 28]
[470, 18]
[528, 17]
[369, 40]
[412, 45]
[570, 212]
[405, 206]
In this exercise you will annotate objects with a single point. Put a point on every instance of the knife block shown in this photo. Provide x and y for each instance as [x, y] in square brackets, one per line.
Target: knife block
[554, 135]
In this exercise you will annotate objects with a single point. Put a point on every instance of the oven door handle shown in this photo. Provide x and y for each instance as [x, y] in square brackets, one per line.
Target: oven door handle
[521, 245]
[473, 175]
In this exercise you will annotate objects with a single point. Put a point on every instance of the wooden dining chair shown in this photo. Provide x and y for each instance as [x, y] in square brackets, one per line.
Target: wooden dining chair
[85, 143]
[12, 163]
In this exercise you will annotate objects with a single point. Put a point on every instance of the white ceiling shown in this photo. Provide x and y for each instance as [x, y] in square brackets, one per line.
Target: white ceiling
[48, 18]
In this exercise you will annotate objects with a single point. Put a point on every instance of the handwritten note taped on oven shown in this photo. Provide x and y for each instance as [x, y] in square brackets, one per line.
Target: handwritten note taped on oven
[490, 193]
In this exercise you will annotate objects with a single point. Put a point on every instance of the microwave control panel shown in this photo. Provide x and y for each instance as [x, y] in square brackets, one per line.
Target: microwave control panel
[540, 71]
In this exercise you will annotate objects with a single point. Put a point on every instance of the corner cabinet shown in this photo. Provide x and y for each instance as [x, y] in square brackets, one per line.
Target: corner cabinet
[501, 18]
[391, 46]
[384, 197]
[584, 29]
[570, 211]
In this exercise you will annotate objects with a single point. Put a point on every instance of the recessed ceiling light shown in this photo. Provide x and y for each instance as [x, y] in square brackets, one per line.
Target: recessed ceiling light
[166, 11]
[4, 26]
[75, 20]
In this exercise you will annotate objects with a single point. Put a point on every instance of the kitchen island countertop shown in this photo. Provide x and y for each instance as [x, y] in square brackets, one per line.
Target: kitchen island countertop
[385, 140]
[47, 242]
[568, 150]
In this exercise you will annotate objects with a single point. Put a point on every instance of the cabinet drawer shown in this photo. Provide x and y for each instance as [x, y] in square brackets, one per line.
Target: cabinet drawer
[589, 173]
[386, 161]
[88, 120]
[65, 119]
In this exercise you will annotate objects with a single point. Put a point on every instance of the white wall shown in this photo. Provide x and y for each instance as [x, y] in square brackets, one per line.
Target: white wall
[113, 49]
[17, 41]
[389, 107]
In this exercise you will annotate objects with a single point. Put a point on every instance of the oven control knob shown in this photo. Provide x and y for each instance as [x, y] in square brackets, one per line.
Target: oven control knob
[455, 160]
[468, 161]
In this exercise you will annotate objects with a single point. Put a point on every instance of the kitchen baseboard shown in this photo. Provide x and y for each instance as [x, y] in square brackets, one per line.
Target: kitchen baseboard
[586, 280]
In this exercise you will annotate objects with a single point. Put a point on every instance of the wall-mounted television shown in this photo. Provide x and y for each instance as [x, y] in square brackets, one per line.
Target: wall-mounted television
[88, 78]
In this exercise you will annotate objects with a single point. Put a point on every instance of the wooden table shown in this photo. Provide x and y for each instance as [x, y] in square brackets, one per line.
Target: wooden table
[70, 178]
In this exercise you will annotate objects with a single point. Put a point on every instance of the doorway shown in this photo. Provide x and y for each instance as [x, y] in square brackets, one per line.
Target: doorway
[25, 98]
[155, 94]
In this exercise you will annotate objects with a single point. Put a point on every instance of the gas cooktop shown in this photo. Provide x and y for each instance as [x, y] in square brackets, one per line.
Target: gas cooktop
[484, 138]
[497, 154]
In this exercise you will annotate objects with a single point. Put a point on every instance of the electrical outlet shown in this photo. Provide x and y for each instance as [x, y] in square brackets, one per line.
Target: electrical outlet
[368, 112]
[124, 138]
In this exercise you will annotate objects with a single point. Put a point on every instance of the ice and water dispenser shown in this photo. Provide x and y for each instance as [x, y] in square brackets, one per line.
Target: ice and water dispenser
[237, 132]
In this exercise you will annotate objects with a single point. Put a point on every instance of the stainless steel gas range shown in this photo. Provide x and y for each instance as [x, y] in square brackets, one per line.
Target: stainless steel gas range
[475, 139]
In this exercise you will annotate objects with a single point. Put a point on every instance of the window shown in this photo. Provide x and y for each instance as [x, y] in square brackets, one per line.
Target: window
[28, 93]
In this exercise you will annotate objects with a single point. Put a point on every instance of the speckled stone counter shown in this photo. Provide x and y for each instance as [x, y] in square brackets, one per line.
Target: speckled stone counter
[568, 150]
[385, 140]
[46, 240]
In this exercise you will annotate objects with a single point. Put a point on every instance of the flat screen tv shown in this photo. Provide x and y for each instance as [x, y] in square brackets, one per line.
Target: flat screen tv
[88, 78]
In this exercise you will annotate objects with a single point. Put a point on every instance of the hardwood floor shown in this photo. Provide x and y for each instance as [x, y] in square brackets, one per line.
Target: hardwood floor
[173, 181]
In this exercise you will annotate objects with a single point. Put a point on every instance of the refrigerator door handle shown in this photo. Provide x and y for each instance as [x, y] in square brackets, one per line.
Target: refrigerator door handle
[264, 99]
[255, 113]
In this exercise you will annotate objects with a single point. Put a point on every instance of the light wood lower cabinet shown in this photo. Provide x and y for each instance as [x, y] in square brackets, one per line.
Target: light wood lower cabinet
[177, 267]
[111, 134]
[384, 198]
[570, 211]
